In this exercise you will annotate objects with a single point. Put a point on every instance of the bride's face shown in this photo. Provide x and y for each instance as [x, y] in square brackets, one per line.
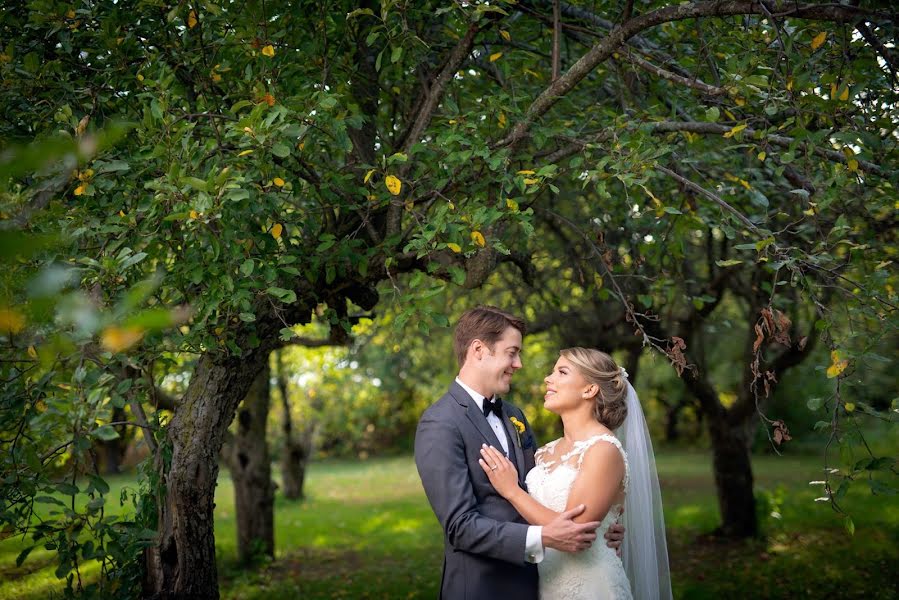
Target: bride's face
[566, 388]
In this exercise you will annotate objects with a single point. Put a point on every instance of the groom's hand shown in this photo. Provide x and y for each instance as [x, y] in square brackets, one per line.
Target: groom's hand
[564, 534]
[614, 537]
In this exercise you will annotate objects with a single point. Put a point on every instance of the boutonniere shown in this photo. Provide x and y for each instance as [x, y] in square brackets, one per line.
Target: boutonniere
[519, 429]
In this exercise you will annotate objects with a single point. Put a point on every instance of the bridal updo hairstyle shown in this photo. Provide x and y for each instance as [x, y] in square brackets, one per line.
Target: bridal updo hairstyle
[610, 404]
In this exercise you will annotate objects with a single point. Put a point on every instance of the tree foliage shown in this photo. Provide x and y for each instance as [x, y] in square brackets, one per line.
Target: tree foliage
[290, 159]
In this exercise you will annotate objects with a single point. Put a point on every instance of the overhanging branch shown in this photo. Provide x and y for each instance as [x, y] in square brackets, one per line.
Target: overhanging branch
[711, 196]
[778, 140]
[619, 35]
[428, 106]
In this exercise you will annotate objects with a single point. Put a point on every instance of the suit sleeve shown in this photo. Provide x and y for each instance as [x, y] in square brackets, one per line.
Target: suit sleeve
[440, 459]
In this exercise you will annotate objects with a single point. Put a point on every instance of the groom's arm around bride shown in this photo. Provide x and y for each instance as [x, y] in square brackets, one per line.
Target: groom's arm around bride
[489, 549]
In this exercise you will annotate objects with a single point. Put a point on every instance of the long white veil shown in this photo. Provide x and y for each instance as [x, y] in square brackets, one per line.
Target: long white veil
[644, 551]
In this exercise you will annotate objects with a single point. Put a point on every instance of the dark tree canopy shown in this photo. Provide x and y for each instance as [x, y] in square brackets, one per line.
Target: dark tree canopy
[194, 179]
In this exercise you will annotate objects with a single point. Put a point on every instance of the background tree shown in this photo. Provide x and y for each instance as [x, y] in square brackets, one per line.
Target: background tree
[289, 159]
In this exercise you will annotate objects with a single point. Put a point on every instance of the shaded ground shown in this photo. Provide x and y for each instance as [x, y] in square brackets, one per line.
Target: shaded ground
[366, 531]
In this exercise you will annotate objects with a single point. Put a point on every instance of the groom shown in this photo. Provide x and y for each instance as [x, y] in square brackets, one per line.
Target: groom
[489, 550]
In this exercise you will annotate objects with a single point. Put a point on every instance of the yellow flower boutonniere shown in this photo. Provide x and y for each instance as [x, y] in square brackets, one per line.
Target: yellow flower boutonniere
[519, 429]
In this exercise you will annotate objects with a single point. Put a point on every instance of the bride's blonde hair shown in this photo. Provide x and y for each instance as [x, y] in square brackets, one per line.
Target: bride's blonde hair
[610, 403]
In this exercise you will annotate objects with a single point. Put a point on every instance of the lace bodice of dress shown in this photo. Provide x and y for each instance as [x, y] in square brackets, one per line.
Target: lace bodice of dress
[551, 479]
[597, 571]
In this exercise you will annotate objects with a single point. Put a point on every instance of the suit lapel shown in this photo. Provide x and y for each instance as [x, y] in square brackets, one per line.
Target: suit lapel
[512, 434]
[474, 414]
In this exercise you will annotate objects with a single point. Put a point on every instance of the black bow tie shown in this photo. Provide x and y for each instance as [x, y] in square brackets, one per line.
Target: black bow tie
[493, 406]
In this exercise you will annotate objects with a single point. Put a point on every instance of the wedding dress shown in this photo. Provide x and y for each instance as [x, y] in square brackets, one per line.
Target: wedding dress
[596, 573]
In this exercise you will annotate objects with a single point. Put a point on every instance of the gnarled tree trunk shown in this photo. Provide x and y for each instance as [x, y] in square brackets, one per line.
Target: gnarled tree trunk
[251, 472]
[733, 478]
[181, 564]
[297, 450]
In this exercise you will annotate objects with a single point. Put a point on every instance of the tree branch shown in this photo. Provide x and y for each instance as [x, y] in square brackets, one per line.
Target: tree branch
[620, 34]
[778, 140]
[694, 83]
[711, 196]
[557, 40]
[879, 46]
[423, 118]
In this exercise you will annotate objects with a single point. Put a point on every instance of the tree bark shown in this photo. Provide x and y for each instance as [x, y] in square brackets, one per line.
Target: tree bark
[733, 479]
[672, 417]
[297, 451]
[294, 461]
[251, 472]
[730, 457]
[181, 564]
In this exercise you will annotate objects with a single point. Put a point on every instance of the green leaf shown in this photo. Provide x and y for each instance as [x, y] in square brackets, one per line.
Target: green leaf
[728, 263]
[246, 269]
[239, 105]
[68, 489]
[195, 183]
[880, 488]
[359, 12]
[23, 555]
[883, 463]
[762, 244]
[850, 525]
[133, 260]
[49, 500]
[285, 296]
[112, 166]
[457, 274]
[237, 194]
[814, 403]
[105, 433]
[281, 150]
[99, 484]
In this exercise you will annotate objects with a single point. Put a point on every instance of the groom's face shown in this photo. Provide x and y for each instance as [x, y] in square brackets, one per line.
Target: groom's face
[495, 367]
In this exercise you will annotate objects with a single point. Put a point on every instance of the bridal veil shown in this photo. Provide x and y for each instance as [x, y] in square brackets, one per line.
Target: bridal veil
[644, 551]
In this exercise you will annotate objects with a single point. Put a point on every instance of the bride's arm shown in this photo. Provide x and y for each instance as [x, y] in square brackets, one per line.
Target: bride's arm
[596, 486]
[598, 483]
[504, 478]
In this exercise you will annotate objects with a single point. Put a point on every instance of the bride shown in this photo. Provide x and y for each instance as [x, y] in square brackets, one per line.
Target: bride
[610, 475]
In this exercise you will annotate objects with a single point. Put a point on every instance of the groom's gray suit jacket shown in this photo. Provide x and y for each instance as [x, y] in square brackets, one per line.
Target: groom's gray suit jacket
[484, 536]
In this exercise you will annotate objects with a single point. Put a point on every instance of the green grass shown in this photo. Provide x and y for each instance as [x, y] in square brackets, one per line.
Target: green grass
[366, 531]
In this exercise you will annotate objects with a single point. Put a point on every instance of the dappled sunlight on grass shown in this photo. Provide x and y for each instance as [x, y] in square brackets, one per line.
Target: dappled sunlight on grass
[41, 582]
[686, 514]
[366, 531]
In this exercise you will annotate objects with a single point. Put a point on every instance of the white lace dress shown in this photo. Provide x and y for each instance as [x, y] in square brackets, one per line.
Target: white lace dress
[595, 573]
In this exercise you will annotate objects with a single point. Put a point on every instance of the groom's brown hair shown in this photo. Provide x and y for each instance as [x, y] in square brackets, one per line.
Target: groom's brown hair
[485, 323]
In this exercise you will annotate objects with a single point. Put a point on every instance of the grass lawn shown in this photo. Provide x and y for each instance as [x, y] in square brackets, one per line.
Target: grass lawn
[366, 531]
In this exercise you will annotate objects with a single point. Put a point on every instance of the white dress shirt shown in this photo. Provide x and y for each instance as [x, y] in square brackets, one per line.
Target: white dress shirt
[533, 548]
